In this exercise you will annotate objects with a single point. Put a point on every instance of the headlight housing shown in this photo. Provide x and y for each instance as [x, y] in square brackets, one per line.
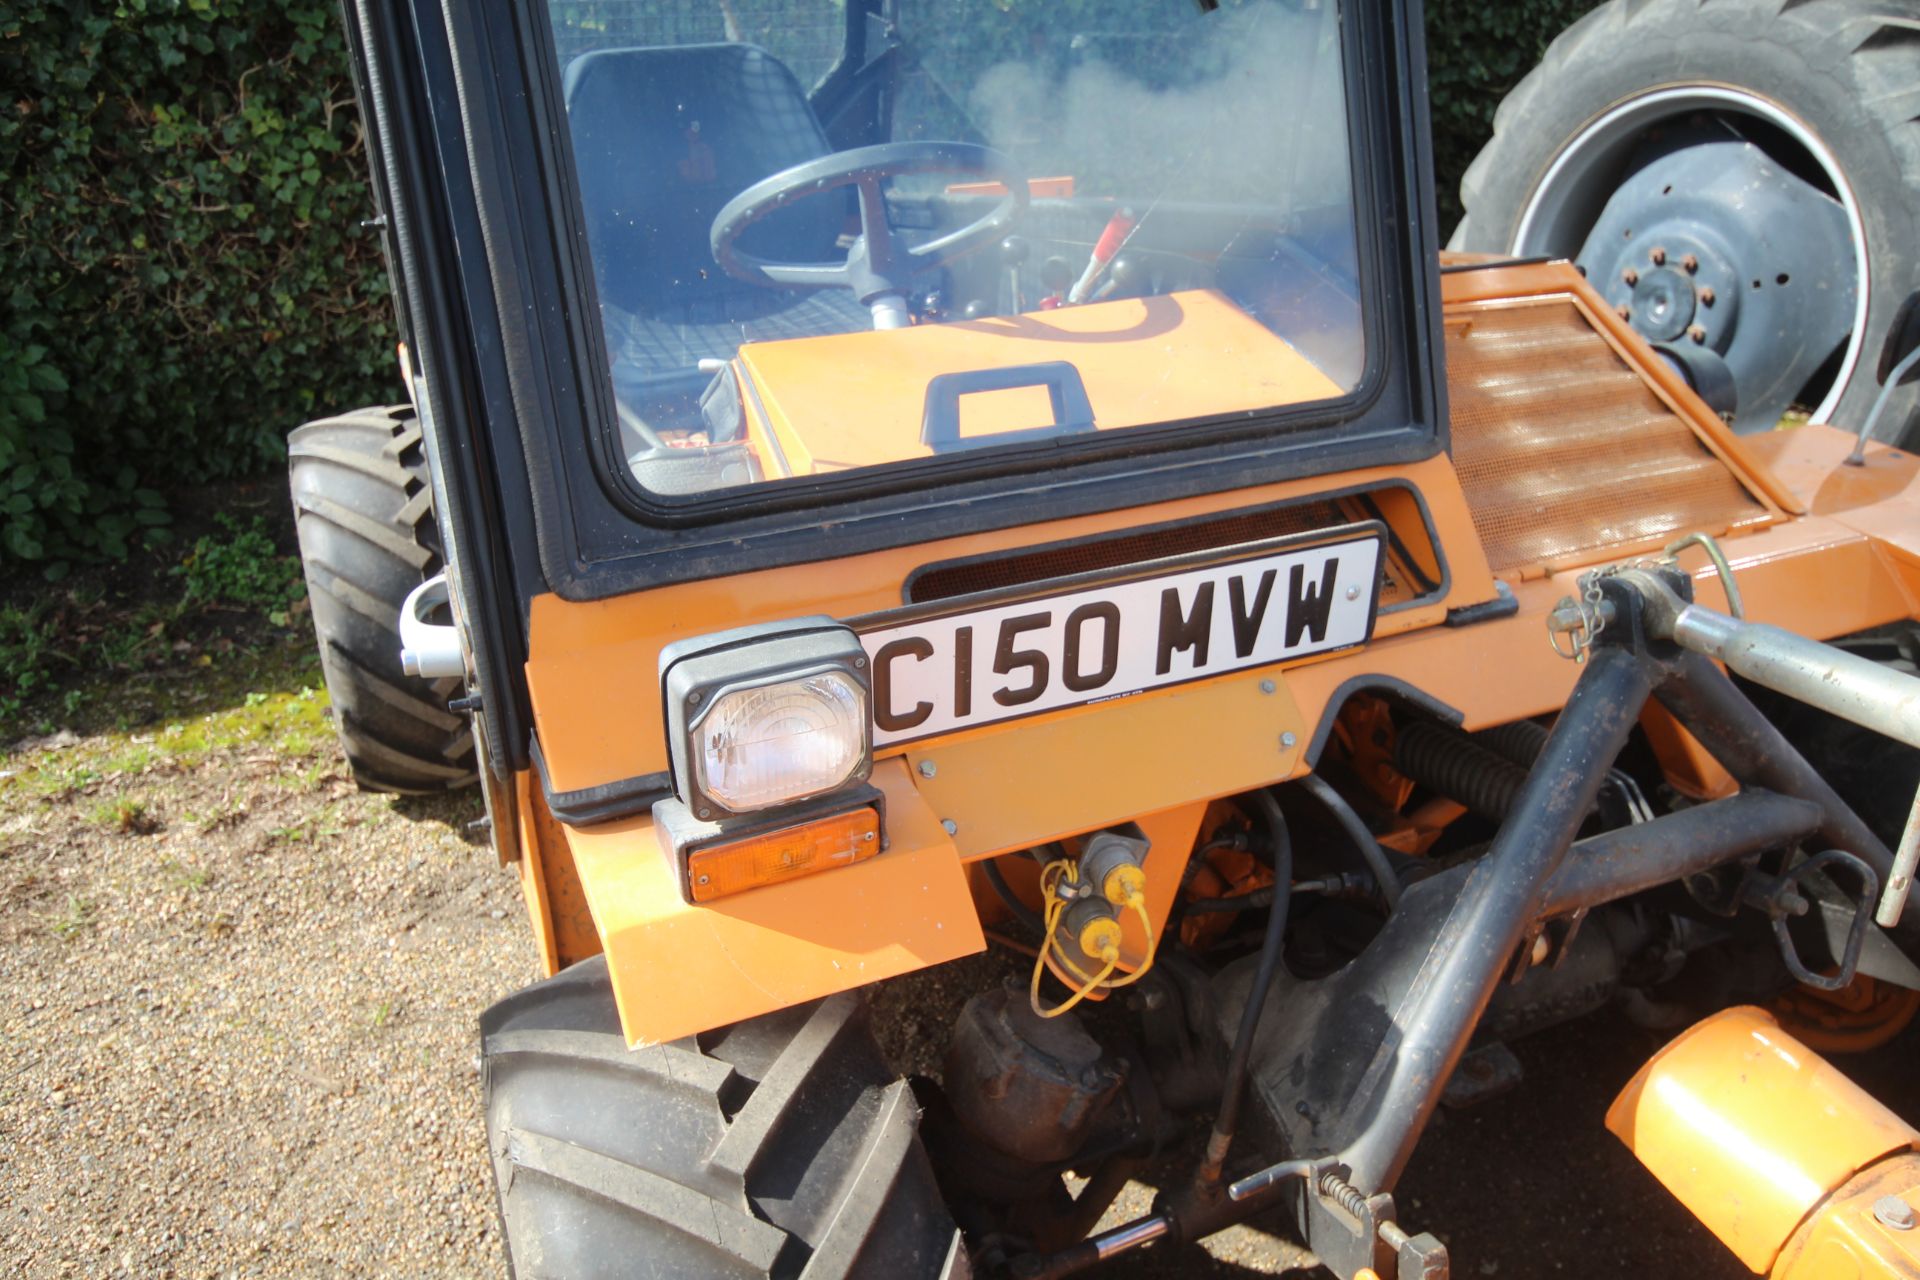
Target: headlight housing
[765, 716]
[776, 741]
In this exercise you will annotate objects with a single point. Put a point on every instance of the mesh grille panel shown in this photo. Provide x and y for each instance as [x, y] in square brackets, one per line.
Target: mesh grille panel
[1040, 564]
[1563, 450]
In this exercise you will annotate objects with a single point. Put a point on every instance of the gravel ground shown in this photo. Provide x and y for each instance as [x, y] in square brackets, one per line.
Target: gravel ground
[237, 1004]
[237, 1023]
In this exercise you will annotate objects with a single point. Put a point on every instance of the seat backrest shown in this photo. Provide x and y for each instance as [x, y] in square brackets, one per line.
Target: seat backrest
[662, 138]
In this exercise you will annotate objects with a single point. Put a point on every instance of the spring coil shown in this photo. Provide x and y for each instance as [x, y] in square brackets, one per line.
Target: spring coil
[1448, 761]
[1346, 1195]
[1522, 741]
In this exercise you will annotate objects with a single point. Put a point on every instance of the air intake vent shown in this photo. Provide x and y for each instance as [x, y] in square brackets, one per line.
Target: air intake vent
[1564, 451]
[1403, 580]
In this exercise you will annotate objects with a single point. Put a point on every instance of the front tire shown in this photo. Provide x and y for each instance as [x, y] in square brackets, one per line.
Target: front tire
[1825, 88]
[778, 1147]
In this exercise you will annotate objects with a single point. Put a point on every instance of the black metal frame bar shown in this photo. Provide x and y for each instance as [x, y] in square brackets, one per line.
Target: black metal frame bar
[1352, 1065]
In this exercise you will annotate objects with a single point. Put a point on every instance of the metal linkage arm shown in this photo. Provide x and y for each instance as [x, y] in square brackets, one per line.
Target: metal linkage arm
[1837, 682]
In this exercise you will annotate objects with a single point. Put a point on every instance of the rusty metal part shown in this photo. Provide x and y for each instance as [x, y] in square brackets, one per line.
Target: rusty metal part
[1697, 332]
[1029, 1086]
[1708, 704]
[1690, 264]
[1630, 276]
[1707, 296]
[1657, 256]
[1864, 1015]
[1629, 860]
[1751, 1130]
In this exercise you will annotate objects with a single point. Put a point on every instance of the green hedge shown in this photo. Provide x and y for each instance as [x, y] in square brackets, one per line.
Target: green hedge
[1476, 51]
[185, 276]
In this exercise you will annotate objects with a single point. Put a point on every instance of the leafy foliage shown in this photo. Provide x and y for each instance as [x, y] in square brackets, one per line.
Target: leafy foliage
[1476, 51]
[241, 566]
[186, 277]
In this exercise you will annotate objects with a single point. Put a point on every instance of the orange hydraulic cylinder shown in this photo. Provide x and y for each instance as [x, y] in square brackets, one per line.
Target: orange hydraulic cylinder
[1753, 1132]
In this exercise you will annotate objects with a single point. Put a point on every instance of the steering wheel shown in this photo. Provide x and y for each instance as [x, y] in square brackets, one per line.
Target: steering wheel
[880, 263]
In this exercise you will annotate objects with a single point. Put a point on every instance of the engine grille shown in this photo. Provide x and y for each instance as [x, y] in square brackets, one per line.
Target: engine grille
[1564, 450]
[1400, 582]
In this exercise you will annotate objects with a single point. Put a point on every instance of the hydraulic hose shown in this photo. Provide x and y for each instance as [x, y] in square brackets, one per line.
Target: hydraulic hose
[1363, 842]
[1002, 890]
[1280, 843]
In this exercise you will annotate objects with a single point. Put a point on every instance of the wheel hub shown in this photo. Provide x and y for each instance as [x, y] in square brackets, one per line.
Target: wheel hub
[1663, 304]
[1712, 246]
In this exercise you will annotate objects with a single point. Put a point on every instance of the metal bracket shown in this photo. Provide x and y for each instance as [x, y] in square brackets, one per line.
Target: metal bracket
[1781, 899]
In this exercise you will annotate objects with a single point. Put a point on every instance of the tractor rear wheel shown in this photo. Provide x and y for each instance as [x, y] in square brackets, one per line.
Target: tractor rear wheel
[1740, 179]
[363, 510]
[780, 1146]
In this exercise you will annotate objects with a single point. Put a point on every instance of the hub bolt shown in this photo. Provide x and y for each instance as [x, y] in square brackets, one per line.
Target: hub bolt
[1631, 276]
[1657, 256]
[1690, 263]
[1895, 1212]
[1706, 295]
[1697, 333]
[1624, 311]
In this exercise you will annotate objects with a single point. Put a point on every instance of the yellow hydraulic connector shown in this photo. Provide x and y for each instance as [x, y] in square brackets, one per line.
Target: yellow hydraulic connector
[1087, 911]
[1793, 1166]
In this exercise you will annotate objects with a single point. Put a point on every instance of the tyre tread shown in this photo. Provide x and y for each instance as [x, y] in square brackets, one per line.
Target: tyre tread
[817, 1172]
[363, 511]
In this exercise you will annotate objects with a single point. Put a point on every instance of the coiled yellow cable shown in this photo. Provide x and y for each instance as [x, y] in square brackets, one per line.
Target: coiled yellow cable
[1054, 910]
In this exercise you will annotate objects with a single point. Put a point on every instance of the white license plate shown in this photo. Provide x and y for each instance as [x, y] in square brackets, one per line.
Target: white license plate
[997, 661]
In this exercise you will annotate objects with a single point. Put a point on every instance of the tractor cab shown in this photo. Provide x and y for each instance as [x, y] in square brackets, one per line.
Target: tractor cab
[829, 237]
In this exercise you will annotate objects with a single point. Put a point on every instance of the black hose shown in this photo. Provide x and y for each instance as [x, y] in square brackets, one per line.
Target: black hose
[1356, 831]
[1241, 902]
[1002, 890]
[1271, 945]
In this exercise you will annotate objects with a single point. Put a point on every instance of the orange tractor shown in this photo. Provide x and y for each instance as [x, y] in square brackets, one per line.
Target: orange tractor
[886, 478]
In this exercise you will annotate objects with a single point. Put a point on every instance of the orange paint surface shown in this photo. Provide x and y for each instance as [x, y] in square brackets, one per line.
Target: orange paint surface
[1851, 562]
[1190, 354]
[679, 969]
[1750, 1129]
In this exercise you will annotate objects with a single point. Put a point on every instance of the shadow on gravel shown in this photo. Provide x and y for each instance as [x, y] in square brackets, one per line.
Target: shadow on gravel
[457, 811]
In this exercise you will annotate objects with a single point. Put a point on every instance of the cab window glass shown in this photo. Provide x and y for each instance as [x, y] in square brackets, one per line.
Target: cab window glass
[823, 242]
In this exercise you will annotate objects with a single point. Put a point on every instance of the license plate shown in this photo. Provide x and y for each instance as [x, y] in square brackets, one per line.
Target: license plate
[1178, 621]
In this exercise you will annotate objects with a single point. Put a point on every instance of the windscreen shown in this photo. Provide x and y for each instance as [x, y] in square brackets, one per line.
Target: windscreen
[828, 237]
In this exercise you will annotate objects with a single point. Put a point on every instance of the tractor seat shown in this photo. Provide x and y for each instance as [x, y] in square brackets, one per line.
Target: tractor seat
[662, 138]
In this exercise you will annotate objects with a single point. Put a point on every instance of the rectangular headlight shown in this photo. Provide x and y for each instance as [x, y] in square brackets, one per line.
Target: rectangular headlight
[764, 716]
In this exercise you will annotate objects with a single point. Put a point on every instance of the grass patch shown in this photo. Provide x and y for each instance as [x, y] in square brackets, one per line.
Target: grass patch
[186, 877]
[70, 652]
[75, 919]
[271, 707]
